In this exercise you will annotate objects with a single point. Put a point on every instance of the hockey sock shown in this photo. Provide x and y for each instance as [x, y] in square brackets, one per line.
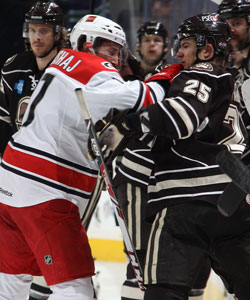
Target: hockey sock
[131, 291]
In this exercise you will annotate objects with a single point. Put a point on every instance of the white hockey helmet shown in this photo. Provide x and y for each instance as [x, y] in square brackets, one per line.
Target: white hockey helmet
[92, 27]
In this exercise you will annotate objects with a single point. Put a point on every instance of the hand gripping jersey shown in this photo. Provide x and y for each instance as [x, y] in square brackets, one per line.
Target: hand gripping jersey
[20, 76]
[47, 158]
[197, 120]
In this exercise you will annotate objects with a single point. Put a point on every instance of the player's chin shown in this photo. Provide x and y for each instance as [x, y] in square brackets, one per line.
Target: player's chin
[186, 65]
[38, 51]
[154, 60]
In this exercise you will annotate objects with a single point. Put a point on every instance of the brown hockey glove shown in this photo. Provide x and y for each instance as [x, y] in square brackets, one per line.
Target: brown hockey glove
[99, 126]
[131, 69]
[118, 133]
[113, 133]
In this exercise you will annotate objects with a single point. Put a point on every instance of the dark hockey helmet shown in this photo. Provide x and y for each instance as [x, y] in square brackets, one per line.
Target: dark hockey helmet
[235, 9]
[44, 13]
[205, 28]
[152, 27]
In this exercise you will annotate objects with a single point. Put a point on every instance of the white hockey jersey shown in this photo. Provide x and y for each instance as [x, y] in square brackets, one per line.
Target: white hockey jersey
[47, 158]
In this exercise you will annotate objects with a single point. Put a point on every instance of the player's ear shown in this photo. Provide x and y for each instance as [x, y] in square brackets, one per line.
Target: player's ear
[165, 50]
[57, 37]
[138, 47]
[206, 52]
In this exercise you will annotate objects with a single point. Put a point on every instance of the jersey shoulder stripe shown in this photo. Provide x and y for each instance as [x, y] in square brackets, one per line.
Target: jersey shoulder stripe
[81, 66]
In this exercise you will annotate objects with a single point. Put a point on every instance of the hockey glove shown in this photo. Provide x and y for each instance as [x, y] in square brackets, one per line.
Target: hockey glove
[166, 75]
[117, 133]
[131, 69]
[113, 133]
[99, 126]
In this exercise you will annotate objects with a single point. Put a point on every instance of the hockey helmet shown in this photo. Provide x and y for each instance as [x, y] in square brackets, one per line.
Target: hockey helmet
[235, 9]
[44, 13]
[92, 27]
[155, 28]
[204, 27]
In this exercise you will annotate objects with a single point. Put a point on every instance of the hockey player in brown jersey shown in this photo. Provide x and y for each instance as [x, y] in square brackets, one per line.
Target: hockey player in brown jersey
[197, 120]
[152, 45]
[237, 15]
[134, 168]
[181, 180]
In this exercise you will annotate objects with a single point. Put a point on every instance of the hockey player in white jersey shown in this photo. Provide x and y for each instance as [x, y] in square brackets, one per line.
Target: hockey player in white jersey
[46, 177]
[43, 30]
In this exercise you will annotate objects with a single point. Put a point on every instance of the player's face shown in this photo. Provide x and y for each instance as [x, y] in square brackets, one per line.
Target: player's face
[110, 51]
[187, 52]
[42, 38]
[240, 33]
[151, 48]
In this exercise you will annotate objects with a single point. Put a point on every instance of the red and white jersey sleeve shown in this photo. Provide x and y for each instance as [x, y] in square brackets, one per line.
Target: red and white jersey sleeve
[47, 158]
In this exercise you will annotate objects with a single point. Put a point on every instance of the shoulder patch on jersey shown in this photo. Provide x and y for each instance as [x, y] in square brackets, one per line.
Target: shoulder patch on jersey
[10, 60]
[108, 65]
[202, 66]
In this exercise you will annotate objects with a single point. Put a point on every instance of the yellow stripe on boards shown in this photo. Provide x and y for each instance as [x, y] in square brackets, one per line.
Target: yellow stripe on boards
[108, 250]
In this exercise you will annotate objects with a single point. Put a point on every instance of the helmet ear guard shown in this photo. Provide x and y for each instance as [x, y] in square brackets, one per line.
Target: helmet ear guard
[81, 40]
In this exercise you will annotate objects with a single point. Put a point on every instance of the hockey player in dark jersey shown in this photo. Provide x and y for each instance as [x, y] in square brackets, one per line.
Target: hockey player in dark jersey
[134, 167]
[237, 15]
[132, 175]
[197, 120]
[44, 31]
[183, 196]
[152, 45]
